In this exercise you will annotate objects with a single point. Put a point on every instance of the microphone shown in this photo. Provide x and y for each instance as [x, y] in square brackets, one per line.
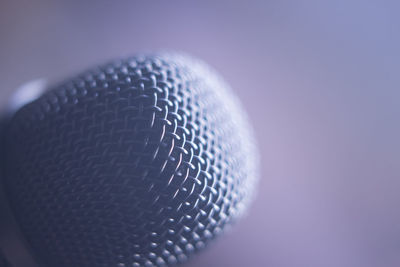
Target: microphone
[139, 162]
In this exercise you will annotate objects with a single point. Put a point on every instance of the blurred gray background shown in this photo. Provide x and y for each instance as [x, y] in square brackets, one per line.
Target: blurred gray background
[320, 80]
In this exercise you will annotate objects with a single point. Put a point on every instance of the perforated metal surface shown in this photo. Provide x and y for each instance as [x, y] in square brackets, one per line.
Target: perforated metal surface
[139, 162]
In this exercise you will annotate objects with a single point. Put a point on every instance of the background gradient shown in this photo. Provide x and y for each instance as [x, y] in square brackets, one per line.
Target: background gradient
[321, 83]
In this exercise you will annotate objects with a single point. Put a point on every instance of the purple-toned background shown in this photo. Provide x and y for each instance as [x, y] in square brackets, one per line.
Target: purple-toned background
[320, 80]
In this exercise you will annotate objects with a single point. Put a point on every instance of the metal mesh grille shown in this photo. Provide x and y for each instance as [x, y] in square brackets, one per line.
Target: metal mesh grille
[138, 162]
[3, 261]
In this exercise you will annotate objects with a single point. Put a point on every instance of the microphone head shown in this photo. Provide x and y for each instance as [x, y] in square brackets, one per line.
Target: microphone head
[139, 162]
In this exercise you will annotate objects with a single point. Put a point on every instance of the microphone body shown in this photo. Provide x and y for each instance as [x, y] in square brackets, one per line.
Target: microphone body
[139, 162]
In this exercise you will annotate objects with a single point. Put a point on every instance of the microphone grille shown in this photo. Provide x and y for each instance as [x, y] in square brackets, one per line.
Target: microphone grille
[141, 161]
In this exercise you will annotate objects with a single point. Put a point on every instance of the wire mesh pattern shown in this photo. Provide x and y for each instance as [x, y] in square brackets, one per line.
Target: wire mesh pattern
[140, 162]
[3, 261]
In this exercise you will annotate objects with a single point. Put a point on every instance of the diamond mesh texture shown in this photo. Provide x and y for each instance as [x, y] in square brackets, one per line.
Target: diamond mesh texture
[139, 162]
